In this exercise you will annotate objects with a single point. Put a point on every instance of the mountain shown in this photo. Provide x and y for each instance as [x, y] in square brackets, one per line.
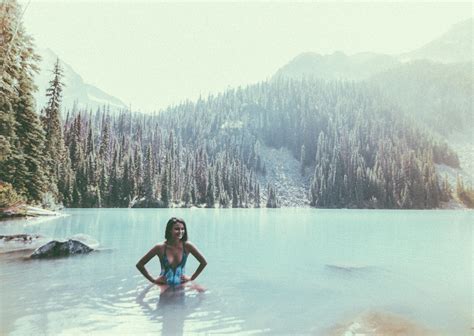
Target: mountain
[453, 46]
[75, 89]
[437, 94]
[336, 66]
[432, 84]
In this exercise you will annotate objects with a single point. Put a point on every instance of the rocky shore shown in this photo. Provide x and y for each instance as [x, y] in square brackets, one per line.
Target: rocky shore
[24, 210]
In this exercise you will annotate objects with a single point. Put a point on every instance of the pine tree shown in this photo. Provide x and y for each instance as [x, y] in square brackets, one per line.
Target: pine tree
[200, 175]
[30, 134]
[115, 196]
[55, 151]
[302, 159]
[257, 196]
[104, 140]
[149, 179]
[459, 185]
[272, 200]
[21, 135]
[446, 189]
[165, 191]
[9, 68]
[210, 199]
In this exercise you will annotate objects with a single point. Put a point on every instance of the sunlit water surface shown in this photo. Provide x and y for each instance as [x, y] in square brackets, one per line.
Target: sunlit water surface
[280, 271]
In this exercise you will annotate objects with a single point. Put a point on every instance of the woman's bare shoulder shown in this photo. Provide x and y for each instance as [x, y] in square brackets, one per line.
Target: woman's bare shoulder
[159, 247]
[189, 245]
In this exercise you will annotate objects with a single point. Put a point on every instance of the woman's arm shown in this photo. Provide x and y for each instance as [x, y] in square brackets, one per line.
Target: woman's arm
[144, 260]
[198, 255]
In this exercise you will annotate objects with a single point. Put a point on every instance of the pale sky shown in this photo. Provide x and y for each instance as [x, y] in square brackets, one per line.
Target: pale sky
[152, 54]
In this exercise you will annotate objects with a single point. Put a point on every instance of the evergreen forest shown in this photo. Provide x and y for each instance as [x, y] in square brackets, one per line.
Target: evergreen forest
[355, 147]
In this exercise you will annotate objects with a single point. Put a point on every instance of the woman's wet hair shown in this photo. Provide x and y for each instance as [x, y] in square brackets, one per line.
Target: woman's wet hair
[169, 227]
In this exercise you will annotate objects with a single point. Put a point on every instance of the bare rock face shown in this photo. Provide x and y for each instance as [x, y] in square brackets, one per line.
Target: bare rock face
[60, 249]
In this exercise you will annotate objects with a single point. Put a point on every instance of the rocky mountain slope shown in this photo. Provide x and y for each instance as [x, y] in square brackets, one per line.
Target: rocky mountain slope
[76, 90]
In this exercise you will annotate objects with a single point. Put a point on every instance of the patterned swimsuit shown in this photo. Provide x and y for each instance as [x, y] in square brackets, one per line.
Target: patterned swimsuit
[173, 276]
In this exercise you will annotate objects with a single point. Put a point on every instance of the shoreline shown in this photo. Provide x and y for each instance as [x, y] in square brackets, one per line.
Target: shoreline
[24, 211]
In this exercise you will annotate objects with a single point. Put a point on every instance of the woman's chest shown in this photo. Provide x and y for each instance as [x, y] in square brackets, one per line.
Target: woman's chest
[173, 255]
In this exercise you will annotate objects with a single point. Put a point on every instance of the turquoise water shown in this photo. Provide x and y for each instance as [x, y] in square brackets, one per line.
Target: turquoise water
[282, 271]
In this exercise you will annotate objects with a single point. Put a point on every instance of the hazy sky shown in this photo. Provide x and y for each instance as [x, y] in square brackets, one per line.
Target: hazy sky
[151, 54]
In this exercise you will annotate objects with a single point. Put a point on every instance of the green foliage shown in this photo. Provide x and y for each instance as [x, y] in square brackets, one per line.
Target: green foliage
[465, 194]
[55, 151]
[467, 197]
[272, 200]
[5, 150]
[8, 196]
[360, 151]
[210, 193]
[21, 134]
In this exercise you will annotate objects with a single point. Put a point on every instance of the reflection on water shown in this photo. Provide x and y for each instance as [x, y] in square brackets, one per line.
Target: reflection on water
[285, 271]
[172, 306]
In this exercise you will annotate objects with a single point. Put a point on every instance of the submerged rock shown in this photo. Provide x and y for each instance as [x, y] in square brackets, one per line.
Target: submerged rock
[60, 249]
[380, 323]
[348, 269]
[85, 239]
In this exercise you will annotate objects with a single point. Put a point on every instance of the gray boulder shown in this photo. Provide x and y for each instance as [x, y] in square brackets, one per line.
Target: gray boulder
[60, 249]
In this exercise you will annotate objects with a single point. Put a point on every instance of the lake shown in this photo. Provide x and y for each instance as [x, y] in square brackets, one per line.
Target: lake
[273, 271]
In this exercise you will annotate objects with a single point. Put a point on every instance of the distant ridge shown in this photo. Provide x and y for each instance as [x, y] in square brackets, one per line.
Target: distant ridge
[336, 66]
[453, 46]
[76, 91]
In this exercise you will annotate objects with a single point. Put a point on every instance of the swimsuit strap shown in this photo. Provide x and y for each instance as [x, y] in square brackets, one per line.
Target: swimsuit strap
[183, 259]
[165, 258]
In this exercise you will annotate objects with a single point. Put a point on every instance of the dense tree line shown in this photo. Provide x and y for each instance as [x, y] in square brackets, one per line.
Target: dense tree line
[22, 138]
[464, 193]
[127, 159]
[359, 150]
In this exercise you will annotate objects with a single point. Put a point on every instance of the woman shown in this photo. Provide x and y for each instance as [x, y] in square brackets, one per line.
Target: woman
[173, 253]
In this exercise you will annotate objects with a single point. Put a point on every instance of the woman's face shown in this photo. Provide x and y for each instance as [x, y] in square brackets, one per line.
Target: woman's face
[177, 231]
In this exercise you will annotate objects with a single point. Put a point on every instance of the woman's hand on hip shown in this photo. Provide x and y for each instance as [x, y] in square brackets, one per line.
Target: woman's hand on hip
[185, 278]
[161, 280]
